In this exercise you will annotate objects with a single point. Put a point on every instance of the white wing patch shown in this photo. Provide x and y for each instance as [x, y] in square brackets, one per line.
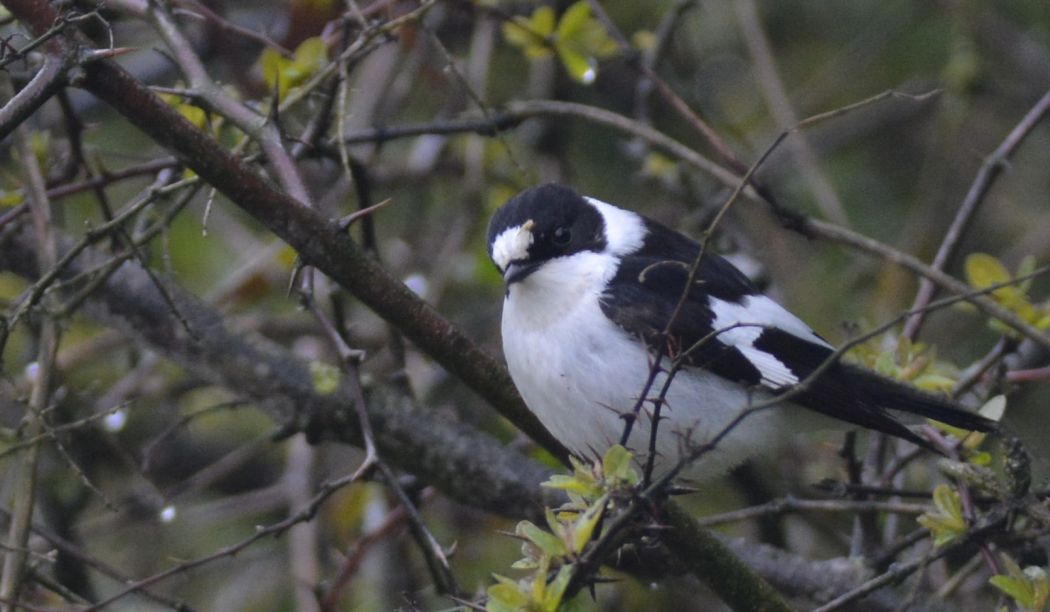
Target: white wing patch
[743, 324]
[512, 244]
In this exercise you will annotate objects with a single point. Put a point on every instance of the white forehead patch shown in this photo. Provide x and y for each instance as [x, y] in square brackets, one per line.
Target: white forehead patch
[512, 244]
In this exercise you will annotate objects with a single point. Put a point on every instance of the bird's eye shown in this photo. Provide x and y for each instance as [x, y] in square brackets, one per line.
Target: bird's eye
[562, 236]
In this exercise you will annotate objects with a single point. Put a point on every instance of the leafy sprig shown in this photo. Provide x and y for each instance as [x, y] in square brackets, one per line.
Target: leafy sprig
[577, 39]
[550, 554]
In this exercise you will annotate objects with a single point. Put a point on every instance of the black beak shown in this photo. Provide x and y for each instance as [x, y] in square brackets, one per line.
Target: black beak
[518, 270]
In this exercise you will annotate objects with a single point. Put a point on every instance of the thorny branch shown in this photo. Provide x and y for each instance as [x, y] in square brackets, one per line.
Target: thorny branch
[322, 243]
[990, 170]
[435, 556]
[450, 457]
[316, 239]
[42, 379]
[307, 513]
[610, 538]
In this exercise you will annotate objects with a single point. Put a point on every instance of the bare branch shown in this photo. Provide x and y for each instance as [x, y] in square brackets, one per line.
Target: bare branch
[772, 88]
[318, 240]
[45, 83]
[788, 505]
[452, 456]
[42, 377]
[990, 170]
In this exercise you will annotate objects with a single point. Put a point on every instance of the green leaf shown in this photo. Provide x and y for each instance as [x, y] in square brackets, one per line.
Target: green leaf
[983, 271]
[325, 377]
[574, 22]
[660, 166]
[934, 382]
[556, 526]
[643, 40]
[572, 484]
[539, 582]
[505, 597]
[947, 522]
[577, 38]
[1016, 589]
[947, 500]
[583, 528]
[616, 464]
[886, 364]
[556, 589]
[271, 63]
[10, 198]
[579, 66]
[577, 29]
[546, 542]
[1029, 588]
[1044, 321]
[532, 35]
[283, 73]
[524, 564]
[542, 22]
[1041, 586]
[580, 39]
[310, 57]
[194, 115]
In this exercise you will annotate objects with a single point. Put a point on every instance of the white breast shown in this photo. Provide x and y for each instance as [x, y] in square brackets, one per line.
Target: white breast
[578, 372]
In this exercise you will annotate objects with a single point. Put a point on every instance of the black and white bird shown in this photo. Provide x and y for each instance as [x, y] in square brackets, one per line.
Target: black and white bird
[589, 290]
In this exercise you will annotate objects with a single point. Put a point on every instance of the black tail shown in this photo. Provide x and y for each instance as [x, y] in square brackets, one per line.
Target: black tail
[887, 393]
[864, 398]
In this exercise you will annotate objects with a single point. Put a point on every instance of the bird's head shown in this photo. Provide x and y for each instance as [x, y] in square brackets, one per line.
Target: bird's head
[542, 224]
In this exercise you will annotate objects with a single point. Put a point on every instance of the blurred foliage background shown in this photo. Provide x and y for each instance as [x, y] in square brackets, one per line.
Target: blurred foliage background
[171, 468]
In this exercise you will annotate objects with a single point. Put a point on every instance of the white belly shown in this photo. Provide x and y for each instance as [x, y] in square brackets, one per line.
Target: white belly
[579, 372]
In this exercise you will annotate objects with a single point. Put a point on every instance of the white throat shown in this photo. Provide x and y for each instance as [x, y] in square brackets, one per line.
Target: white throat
[558, 288]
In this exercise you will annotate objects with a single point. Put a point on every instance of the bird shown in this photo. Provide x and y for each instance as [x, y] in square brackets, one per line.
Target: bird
[600, 300]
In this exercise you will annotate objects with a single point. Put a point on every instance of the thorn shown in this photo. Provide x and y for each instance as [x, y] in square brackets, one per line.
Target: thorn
[275, 101]
[347, 221]
[604, 580]
[681, 490]
[97, 54]
[297, 269]
[355, 356]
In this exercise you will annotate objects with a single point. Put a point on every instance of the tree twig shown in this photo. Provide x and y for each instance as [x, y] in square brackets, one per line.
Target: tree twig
[316, 238]
[982, 183]
[45, 83]
[772, 88]
[788, 505]
[41, 377]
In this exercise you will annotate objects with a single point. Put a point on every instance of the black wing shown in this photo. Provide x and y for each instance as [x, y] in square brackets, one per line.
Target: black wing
[642, 298]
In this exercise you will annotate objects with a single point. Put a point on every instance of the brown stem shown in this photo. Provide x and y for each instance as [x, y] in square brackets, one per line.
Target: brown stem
[982, 183]
[316, 238]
